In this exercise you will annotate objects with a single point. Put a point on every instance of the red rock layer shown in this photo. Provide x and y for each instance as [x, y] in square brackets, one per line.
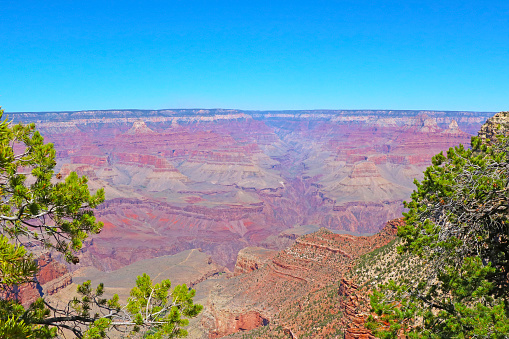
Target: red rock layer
[224, 179]
[51, 277]
[252, 258]
[350, 303]
[280, 290]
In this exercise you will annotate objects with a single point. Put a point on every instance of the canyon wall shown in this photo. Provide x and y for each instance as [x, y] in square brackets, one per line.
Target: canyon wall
[300, 291]
[221, 180]
[51, 277]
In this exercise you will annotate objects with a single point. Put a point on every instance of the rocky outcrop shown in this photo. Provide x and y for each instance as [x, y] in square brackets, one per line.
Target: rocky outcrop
[140, 127]
[352, 311]
[454, 129]
[292, 286]
[227, 323]
[49, 269]
[358, 333]
[51, 277]
[496, 125]
[252, 258]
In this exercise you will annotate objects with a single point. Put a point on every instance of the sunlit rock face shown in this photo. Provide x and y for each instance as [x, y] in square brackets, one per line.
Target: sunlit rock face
[276, 287]
[52, 276]
[494, 126]
[221, 180]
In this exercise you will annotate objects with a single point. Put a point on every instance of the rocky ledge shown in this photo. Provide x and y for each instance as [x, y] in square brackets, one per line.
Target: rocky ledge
[496, 125]
[277, 289]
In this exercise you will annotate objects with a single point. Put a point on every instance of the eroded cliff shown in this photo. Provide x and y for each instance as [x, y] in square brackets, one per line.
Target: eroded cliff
[222, 180]
[299, 291]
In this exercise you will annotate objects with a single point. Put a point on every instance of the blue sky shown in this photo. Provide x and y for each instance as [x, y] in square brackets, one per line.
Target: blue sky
[74, 55]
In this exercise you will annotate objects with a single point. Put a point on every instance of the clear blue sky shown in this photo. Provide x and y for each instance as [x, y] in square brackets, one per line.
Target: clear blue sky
[74, 55]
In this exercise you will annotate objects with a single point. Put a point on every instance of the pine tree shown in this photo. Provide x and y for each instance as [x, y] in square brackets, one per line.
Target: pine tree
[457, 225]
[41, 208]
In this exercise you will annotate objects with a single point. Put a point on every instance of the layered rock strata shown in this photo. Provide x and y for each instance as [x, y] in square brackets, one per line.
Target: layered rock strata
[282, 290]
[222, 180]
[494, 126]
[252, 258]
[350, 303]
[51, 277]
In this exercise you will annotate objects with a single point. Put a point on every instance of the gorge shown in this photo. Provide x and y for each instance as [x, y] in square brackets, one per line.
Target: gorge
[245, 204]
[221, 180]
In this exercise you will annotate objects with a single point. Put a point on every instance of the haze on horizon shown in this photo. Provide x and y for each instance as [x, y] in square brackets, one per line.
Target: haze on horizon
[411, 55]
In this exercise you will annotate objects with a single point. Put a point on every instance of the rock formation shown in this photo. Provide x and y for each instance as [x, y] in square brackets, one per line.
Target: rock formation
[222, 180]
[252, 258]
[293, 288]
[496, 125]
[51, 277]
[453, 129]
[350, 303]
[139, 127]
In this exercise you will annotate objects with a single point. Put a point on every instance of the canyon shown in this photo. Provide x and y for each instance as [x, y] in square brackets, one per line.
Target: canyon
[222, 180]
[263, 213]
[52, 277]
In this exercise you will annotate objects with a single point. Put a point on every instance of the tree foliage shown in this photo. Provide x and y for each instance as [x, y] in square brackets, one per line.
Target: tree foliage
[152, 311]
[457, 225]
[37, 205]
[42, 209]
[16, 265]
